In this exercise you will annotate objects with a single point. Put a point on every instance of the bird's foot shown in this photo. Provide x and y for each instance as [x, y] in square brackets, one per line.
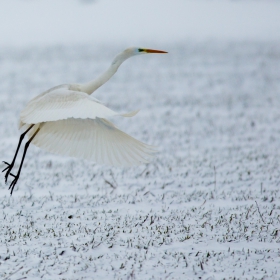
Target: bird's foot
[9, 169]
[13, 182]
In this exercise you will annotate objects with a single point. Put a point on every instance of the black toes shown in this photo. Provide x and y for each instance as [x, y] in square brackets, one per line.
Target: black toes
[13, 184]
[9, 166]
[5, 169]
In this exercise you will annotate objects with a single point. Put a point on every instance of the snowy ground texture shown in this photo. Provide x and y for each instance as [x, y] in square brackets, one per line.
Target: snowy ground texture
[206, 208]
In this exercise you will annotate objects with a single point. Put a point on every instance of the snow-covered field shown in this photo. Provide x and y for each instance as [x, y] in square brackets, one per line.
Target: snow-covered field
[207, 207]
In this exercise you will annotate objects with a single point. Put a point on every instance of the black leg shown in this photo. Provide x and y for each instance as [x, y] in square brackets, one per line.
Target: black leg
[11, 165]
[22, 160]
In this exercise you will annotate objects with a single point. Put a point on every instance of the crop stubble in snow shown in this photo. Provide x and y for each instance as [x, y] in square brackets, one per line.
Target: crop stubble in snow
[208, 206]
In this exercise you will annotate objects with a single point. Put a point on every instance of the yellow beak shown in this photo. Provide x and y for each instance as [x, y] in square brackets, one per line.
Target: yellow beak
[153, 51]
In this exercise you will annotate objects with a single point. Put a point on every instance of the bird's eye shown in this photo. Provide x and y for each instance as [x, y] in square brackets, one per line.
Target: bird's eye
[141, 50]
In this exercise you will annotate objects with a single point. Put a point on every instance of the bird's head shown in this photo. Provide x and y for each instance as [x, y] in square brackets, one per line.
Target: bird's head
[132, 52]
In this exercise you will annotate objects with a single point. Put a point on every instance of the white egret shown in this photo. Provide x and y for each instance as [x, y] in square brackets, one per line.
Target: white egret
[65, 120]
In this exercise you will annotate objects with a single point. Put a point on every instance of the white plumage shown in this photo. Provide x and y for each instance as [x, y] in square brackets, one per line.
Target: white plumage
[73, 124]
[65, 120]
[92, 139]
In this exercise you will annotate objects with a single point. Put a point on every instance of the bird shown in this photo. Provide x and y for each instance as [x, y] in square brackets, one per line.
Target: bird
[67, 120]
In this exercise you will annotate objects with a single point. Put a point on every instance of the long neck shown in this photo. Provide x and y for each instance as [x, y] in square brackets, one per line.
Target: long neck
[91, 86]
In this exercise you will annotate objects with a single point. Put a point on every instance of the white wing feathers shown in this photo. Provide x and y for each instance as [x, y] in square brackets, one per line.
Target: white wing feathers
[98, 140]
[73, 124]
[62, 104]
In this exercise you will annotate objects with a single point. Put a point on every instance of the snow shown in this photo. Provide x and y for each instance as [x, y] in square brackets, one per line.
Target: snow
[208, 206]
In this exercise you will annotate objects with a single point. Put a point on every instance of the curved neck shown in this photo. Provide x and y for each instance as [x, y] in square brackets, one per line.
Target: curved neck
[91, 86]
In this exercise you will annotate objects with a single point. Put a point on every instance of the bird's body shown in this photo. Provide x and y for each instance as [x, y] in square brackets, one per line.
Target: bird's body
[71, 123]
[66, 120]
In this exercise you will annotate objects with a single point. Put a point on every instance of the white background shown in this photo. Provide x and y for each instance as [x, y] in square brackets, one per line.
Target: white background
[135, 22]
[208, 205]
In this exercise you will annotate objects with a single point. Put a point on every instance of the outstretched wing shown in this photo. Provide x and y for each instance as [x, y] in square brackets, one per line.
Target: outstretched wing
[63, 103]
[98, 140]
